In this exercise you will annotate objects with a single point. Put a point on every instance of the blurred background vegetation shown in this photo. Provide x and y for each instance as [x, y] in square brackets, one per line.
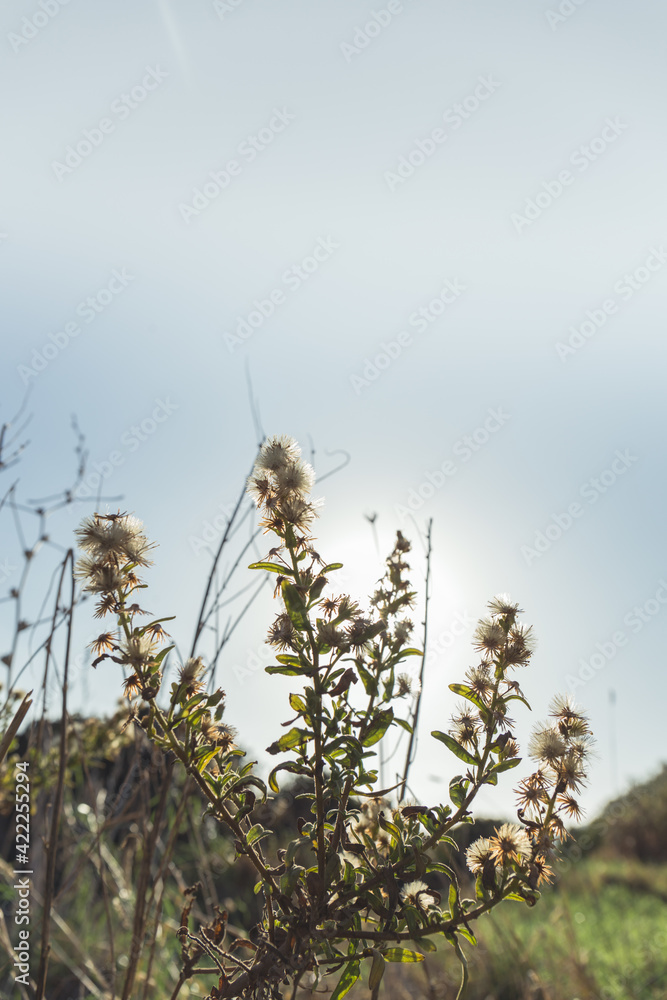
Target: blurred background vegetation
[134, 838]
[134, 845]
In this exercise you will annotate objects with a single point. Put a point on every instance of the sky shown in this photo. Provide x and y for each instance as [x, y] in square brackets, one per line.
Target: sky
[426, 239]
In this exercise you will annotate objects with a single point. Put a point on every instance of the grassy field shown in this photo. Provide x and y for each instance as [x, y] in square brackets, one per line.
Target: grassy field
[600, 934]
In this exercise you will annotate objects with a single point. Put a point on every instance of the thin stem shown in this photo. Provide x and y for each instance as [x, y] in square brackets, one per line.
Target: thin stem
[51, 848]
[415, 717]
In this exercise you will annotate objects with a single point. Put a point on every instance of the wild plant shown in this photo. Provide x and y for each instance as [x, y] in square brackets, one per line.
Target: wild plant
[356, 886]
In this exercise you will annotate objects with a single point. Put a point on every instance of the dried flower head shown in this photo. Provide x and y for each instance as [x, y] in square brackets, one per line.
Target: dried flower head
[488, 637]
[417, 893]
[131, 685]
[520, 645]
[407, 684]
[298, 511]
[217, 734]
[570, 772]
[117, 538]
[465, 726]
[569, 806]
[570, 720]
[541, 872]
[282, 633]
[547, 745]
[502, 605]
[478, 854]
[138, 649]
[277, 452]
[532, 792]
[190, 676]
[100, 577]
[260, 487]
[510, 843]
[480, 681]
[295, 477]
[103, 644]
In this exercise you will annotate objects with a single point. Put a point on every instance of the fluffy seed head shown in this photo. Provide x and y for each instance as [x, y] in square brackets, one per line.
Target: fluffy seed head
[547, 745]
[295, 477]
[502, 604]
[510, 844]
[277, 452]
[478, 854]
[489, 637]
[415, 893]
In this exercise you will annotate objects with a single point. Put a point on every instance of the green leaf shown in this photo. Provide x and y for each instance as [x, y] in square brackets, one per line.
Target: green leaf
[404, 724]
[342, 745]
[293, 661]
[455, 747]
[287, 671]
[294, 604]
[505, 765]
[347, 980]
[410, 651]
[467, 934]
[271, 568]
[427, 945]
[458, 787]
[518, 697]
[332, 566]
[453, 900]
[316, 589]
[378, 727]
[161, 655]
[377, 970]
[245, 782]
[402, 955]
[390, 827]
[255, 833]
[293, 766]
[469, 694]
[193, 701]
[297, 703]
[294, 738]
[369, 682]
[204, 756]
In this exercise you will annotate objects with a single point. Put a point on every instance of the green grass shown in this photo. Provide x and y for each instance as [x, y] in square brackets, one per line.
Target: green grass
[600, 934]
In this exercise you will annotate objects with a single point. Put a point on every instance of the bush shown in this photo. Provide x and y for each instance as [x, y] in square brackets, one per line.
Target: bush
[355, 885]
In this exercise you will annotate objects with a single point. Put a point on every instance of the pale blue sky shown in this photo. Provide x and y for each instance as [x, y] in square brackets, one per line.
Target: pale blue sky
[514, 98]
